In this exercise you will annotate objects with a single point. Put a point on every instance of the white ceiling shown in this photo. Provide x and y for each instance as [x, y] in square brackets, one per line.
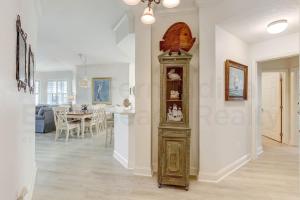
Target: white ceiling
[251, 22]
[69, 27]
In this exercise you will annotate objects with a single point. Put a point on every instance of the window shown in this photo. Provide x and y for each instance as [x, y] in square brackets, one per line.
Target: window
[37, 92]
[57, 92]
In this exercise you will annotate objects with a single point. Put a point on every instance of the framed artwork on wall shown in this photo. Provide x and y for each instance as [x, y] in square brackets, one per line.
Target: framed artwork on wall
[21, 53]
[31, 68]
[236, 81]
[101, 90]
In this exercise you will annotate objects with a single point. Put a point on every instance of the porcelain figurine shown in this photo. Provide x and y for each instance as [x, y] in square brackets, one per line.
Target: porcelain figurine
[175, 113]
[174, 94]
[173, 75]
[126, 103]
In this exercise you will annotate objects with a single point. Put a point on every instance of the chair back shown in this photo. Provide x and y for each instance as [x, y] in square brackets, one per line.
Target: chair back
[95, 111]
[60, 116]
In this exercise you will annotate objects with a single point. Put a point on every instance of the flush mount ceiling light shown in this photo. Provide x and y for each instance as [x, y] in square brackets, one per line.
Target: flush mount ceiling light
[277, 26]
[148, 16]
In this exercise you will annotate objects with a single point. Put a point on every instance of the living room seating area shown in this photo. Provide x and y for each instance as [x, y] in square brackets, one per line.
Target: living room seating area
[44, 119]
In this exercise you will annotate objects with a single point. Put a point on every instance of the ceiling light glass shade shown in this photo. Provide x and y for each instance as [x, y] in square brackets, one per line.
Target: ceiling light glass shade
[84, 83]
[148, 16]
[171, 3]
[277, 26]
[131, 2]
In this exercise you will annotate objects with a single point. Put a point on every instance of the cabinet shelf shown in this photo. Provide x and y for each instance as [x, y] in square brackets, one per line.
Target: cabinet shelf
[174, 100]
[169, 80]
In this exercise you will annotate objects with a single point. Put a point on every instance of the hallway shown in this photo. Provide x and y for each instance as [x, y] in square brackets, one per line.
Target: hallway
[86, 170]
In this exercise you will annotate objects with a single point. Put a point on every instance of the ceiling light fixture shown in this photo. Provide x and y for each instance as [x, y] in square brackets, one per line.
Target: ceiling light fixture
[148, 16]
[277, 26]
[84, 82]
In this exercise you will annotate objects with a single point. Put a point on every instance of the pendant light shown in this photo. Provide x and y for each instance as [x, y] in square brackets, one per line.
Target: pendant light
[171, 3]
[84, 82]
[132, 2]
[148, 15]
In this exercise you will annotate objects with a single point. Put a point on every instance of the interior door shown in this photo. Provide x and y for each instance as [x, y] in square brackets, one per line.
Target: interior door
[271, 101]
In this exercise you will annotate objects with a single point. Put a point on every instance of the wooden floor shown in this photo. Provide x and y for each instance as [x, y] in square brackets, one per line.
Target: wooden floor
[83, 169]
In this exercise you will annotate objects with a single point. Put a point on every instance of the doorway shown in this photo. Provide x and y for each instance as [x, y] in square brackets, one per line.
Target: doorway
[278, 100]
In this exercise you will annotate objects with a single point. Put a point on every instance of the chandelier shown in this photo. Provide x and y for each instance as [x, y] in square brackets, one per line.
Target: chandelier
[84, 82]
[148, 15]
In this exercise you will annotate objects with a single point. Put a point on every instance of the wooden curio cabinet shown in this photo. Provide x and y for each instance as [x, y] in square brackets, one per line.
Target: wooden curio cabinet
[174, 130]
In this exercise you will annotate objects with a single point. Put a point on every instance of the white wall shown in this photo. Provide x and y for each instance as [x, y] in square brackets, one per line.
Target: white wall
[142, 121]
[120, 81]
[276, 48]
[233, 118]
[17, 146]
[164, 21]
[224, 138]
[44, 77]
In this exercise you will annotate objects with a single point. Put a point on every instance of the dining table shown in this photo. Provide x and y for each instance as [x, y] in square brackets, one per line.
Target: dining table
[82, 116]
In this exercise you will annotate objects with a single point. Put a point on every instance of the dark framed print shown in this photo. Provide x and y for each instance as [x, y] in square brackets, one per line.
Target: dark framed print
[236, 81]
[21, 53]
[31, 68]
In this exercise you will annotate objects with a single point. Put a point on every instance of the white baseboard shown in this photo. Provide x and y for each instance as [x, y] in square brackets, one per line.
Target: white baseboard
[31, 187]
[143, 171]
[259, 151]
[121, 159]
[226, 171]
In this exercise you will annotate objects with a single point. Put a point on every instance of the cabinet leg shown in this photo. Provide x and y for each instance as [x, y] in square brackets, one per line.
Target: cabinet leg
[186, 188]
[159, 185]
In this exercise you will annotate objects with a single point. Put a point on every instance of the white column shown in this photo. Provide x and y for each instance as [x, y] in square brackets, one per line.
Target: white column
[142, 124]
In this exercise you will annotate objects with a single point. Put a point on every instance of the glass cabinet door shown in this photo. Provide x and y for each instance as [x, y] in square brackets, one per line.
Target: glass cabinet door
[174, 94]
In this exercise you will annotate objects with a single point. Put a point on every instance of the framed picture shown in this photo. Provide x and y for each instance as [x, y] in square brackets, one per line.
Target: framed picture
[236, 81]
[31, 68]
[101, 90]
[21, 53]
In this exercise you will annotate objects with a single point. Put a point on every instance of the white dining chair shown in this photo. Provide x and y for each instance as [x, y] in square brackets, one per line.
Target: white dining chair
[62, 123]
[109, 126]
[93, 122]
[101, 119]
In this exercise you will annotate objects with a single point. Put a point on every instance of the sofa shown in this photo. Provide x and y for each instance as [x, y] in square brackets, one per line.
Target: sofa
[44, 119]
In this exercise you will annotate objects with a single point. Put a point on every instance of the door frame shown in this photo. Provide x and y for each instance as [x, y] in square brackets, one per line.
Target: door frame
[294, 141]
[255, 134]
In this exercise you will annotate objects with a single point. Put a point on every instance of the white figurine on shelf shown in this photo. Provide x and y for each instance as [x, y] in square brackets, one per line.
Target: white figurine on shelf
[175, 113]
[170, 114]
[173, 75]
[179, 114]
[174, 94]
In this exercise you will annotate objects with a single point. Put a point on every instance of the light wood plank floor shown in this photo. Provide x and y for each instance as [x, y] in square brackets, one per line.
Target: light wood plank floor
[83, 169]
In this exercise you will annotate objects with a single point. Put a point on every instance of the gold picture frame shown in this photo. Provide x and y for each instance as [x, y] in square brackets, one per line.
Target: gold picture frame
[236, 81]
[101, 90]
